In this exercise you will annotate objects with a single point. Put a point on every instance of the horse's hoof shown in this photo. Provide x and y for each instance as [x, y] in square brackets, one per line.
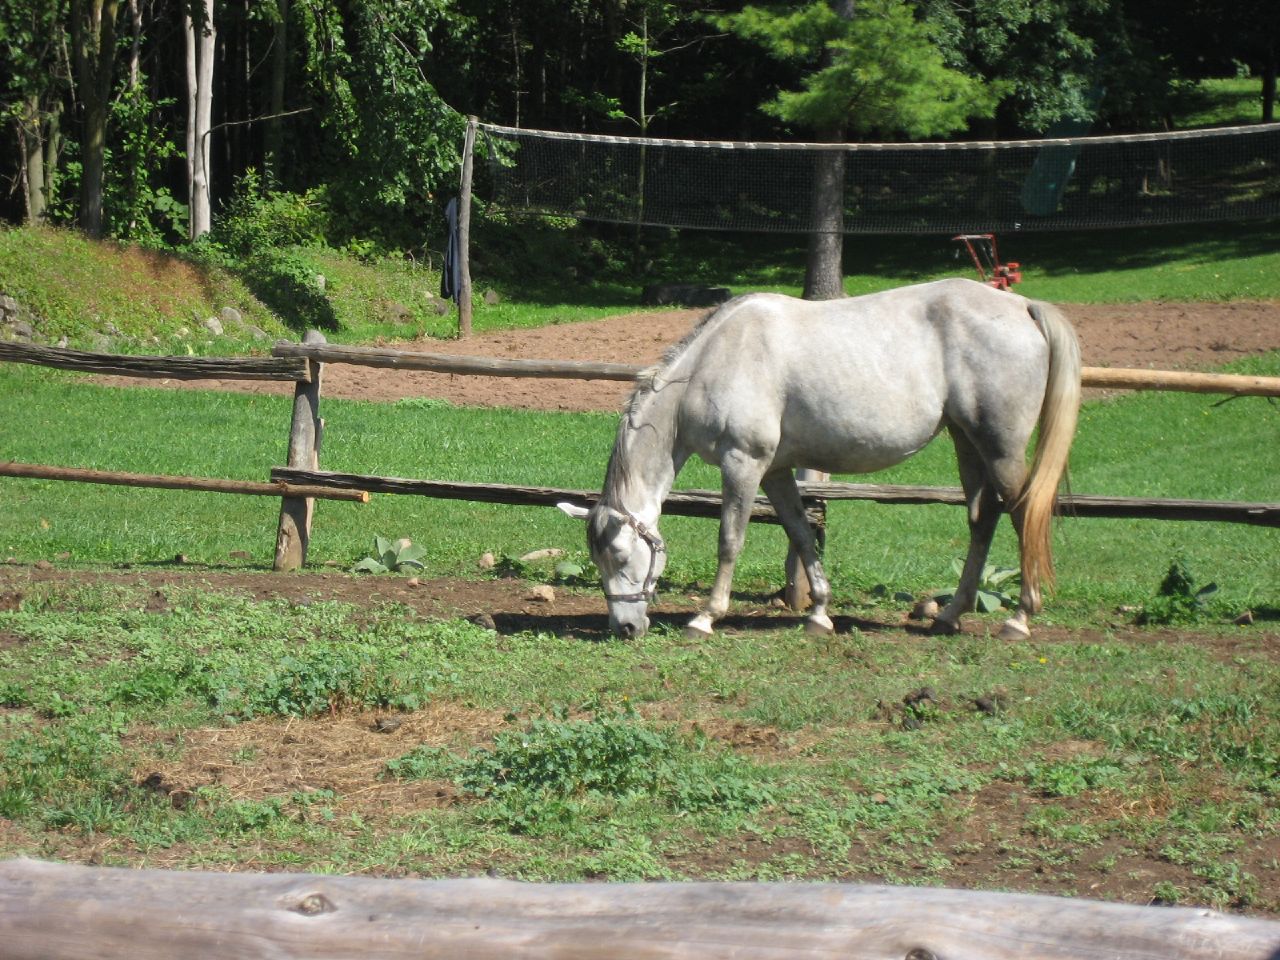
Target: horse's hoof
[944, 628]
[819, 626]
[699, 628]
[1013, 630]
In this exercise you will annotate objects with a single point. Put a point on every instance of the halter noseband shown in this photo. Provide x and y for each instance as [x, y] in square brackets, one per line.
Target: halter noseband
[656, 546]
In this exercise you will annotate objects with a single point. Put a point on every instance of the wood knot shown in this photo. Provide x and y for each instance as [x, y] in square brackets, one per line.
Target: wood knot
[313, 904]
[920, 953]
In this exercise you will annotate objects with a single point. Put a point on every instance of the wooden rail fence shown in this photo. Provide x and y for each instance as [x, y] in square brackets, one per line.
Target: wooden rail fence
[62, 912]
[301, 482]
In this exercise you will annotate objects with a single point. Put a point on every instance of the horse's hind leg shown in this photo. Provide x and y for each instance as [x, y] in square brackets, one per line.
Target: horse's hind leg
[780, 487]
[982, 493]
[740, 476]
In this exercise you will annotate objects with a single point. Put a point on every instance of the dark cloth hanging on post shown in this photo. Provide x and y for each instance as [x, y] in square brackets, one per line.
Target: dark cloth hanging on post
[451, 272]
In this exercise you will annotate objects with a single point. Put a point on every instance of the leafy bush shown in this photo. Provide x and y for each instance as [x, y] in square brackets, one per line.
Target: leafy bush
[392, 556]
[255, 221]
[1178, 600]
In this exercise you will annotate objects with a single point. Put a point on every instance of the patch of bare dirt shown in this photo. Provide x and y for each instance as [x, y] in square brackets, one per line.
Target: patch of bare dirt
[1158, 336]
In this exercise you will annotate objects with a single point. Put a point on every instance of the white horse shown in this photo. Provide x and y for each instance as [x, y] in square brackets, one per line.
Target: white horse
[768, 383]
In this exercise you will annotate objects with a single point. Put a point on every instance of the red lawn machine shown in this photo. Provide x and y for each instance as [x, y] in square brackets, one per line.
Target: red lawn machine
[986, 260]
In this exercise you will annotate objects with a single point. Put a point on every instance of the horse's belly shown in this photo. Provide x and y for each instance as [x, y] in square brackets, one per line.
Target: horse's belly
[871, 443]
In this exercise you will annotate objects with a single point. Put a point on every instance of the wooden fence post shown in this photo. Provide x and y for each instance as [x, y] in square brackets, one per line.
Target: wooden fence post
[305, 434]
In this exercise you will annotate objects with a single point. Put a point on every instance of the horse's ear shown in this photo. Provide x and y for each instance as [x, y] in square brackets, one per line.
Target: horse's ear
[573, 510]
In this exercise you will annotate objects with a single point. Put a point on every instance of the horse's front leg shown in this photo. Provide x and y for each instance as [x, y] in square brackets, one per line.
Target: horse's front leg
[740, 476]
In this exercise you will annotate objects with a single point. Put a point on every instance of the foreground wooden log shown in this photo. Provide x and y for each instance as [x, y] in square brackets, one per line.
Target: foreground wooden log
[60, 912]
[118, 478]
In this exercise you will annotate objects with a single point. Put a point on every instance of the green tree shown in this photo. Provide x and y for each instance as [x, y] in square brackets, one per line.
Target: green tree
[93, 44]
[37, 75]
[391, 140]
[874, 70]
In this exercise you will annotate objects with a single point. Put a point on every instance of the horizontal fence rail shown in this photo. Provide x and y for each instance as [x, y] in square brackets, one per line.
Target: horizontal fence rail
[174, 368]
[449, 363]
[686, 503]
[118, 478]
[59, 911]
[706, 503]
[1115, 378]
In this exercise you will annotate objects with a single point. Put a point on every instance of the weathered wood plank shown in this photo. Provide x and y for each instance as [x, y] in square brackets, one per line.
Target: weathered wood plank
[447, 363]
[1115, 378]
[1122, 378]
[41, 471]
[687, 503]
[706, 503]
[173, 368]
[62, 912]
[1076, 505]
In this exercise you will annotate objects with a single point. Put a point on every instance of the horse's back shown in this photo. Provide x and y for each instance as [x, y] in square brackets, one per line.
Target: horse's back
[863, 382]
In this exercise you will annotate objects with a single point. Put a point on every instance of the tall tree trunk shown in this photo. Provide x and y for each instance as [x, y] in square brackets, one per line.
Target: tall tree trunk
[824, 265]
[824, 274]
[200, 48]
[274, 145]
[1269, 82]
[31, 140]
[93, 27]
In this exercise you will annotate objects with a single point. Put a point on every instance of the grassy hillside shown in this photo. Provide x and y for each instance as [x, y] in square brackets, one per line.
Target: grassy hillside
[104, 295]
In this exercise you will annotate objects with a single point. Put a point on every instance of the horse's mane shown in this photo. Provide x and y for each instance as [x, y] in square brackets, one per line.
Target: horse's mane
[648, 383]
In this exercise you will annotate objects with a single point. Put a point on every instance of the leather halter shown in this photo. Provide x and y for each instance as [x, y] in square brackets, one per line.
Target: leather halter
[656, 546]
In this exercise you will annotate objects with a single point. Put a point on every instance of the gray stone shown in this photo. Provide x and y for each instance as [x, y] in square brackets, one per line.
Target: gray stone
[256, 332]
[230, 317]
[213, 325]
[398, 313]
[62, 342]
[100, 343]
[492, 297]
[21, 330]
[7, 304]
[439, 306]
[320, 282]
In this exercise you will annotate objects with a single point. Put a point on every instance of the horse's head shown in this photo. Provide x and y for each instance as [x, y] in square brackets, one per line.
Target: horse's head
[630, 556]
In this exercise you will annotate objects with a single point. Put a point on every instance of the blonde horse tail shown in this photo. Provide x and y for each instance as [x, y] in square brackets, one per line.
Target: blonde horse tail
[1058, 416]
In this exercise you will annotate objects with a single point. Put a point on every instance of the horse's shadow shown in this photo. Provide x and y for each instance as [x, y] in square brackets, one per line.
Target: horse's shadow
[594, 627]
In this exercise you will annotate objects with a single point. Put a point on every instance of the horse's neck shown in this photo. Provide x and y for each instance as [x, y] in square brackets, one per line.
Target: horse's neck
[648, 454]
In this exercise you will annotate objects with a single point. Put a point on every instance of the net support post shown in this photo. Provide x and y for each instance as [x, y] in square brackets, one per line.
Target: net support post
[464, 231]
[306, 430]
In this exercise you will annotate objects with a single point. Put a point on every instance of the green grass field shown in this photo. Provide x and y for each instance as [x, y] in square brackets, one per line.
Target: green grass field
[174, 725]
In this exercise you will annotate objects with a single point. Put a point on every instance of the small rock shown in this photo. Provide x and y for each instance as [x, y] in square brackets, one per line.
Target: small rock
[487, 561]
[320, 282]
[926, 609]
[8, 304]
[62, 342]
[180, 558]
[438, 305]
[387, 724]
[111, 328]
[483, 620]
[99, 343]
[21, 330]
[213, 325]
[492, 298]
[257, 332]
[542, 594]
[182, 332]
[398, 313]
[230, 317]
[43, 565]
[412, 582]
[1244, 620]
[546, 554]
